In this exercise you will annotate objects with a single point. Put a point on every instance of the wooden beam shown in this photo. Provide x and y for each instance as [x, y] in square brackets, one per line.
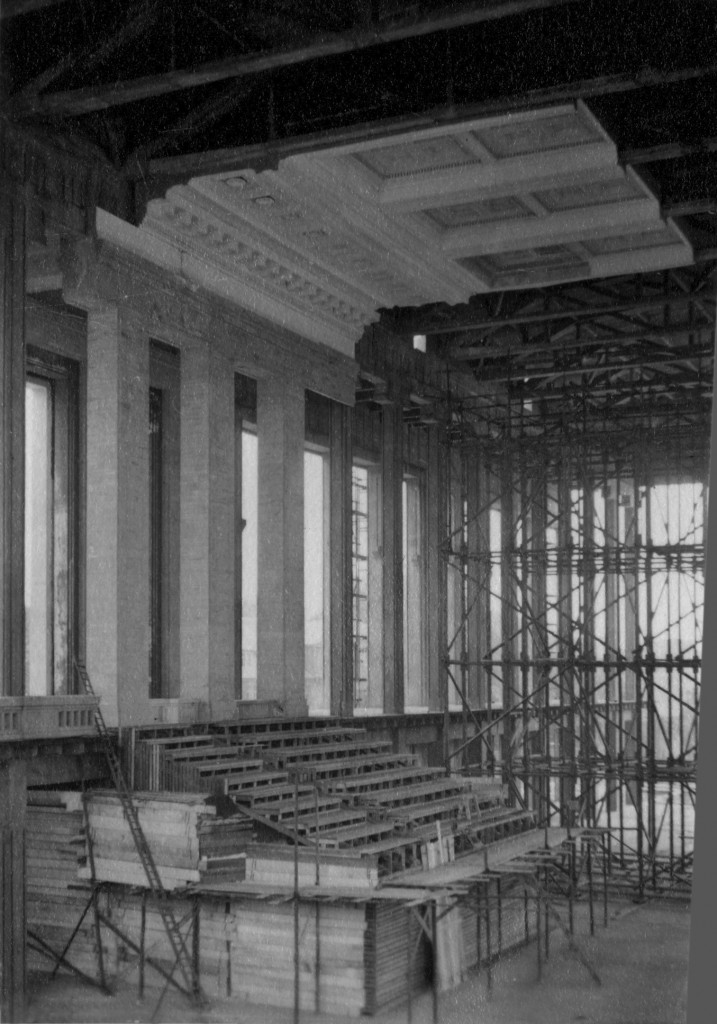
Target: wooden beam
[667, 151]
[690, 207]
[13, 8]
[199, 117]
[688, 355]
[418, 323]
[518, 350]
[268, 153]
[87, 57]
[84, 101]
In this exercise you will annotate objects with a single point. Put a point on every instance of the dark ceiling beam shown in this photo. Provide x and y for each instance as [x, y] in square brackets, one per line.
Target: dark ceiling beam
[690, 207]
[478, 353]
[667, 151]
[14, 8]
[268, 152]
[84, 101]
[89, 56]
[414, 322]
[687, 355]
[199, 118]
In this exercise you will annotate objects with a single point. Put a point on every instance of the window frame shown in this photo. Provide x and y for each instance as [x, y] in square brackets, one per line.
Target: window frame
[63, 374]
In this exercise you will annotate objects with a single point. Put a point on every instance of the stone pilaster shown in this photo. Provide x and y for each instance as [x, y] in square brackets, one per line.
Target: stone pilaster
[280, 426]
[207, 598]
[118, 513]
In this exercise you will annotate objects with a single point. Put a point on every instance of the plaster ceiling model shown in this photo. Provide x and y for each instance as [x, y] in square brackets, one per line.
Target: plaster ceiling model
[436, 215]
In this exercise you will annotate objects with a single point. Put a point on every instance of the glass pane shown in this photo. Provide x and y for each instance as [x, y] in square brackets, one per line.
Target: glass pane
[249, 565]
[360, 562]
[38, 538]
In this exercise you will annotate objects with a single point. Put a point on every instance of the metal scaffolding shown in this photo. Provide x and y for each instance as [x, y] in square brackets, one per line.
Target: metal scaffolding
[575, 567]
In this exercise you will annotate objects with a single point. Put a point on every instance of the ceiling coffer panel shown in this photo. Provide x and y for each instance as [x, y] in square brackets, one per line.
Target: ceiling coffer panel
[433, 215]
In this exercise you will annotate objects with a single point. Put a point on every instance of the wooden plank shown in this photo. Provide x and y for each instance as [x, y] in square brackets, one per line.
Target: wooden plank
[83, 101]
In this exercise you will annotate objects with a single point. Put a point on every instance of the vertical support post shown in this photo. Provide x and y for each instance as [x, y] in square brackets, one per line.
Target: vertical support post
[13, 797]
[142, 934]
[207, 535]
[195, 945]
[118, 534]
[565, 650]
[12, 443]
[95, 905]
[508, 608]
[392, 487]
[317, 915]
[436, 530]
[538, 924]
[340, 625]
[409, 960]
[479, 911]
[296, 897]
[317, 951]
[489, 951]
[434, 933]
[475, 615]
[571, 886]
[538, 613]
[281, 431]
[591, 900]
[499, 906]
[603, 851]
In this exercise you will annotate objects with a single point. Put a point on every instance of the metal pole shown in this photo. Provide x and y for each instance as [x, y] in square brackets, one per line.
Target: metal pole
[142, 933]
[195, 944]
[590, 886]
[499, 911]
[317, 921]
[571, 885]
[487, 939]
[296, 898]
[603, 845]
[479, 911]
[434, 933]
[538, 922]
[409, 990]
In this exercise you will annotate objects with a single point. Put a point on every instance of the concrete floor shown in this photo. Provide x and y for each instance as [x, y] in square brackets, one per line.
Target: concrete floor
[641, 958]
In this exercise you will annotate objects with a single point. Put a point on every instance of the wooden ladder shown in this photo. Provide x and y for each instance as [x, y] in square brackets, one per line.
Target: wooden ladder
[179, 947]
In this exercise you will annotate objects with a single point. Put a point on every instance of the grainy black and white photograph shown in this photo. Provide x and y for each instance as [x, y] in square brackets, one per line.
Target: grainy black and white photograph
[357, 366]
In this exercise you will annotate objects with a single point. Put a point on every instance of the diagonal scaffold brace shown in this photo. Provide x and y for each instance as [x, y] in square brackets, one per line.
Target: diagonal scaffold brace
[182, 957]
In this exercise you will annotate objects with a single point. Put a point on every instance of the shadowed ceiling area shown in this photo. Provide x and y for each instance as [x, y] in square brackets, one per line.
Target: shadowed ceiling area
[530, 183]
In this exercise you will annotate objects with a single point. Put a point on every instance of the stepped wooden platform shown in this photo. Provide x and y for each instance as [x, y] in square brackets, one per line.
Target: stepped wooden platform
[335, 786]
[373, 839]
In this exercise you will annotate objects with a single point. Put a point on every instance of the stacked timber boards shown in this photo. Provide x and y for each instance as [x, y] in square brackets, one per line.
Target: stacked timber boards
[182, 832]
[55, 900]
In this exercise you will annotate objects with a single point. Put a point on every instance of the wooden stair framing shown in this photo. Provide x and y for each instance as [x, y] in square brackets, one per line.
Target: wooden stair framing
[332, 786]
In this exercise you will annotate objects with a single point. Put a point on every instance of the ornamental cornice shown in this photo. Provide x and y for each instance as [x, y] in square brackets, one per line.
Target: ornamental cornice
[258, 272]
[98, 273]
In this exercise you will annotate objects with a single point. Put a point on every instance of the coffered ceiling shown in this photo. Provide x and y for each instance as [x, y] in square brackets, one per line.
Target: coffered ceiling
[523, 199]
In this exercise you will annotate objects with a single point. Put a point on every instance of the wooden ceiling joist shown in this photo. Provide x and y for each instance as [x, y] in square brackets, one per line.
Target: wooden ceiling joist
[89, 56]
[459, 320]
[14, 8]
[84, 101]
[517, 350]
